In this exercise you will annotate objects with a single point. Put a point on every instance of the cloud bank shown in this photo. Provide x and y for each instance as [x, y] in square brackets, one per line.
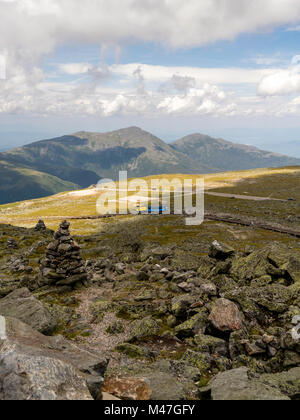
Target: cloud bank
[34, 27]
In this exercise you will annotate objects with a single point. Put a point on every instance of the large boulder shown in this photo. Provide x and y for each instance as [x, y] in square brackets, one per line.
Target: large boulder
[36, 367]
[275, 260]
[238, 384]
[132, 389]
[168, 380]
[274, 298]
[225, 316]
[22, 305]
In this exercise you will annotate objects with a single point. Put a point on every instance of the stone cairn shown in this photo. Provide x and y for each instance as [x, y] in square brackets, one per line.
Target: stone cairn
[40, 227]
[63, 265]
[11, 244]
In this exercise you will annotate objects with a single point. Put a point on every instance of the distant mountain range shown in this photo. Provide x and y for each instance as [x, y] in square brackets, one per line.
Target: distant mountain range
[79, 160]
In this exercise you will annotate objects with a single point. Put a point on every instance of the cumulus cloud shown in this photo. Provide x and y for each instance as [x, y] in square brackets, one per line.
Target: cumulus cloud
[35, 27]
[207, 100]
[283, 82]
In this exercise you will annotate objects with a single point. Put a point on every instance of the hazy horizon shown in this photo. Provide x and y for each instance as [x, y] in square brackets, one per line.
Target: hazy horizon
[13, 139]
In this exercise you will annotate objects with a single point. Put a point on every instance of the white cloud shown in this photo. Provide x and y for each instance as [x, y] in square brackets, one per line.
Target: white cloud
[294, 29]
[2, 67]
[223, 76]
[32, 29]
[35, 27]
[283, 82]
[75, 69]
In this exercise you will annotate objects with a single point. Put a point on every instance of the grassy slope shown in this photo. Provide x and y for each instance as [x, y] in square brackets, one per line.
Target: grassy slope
[280, 183]
[28, 183]
[85, 157]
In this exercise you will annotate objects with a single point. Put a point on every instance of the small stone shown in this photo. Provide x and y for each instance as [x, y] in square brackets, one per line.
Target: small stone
[198, 304]
[253, 350]
[272, 351]
[120, 268]
[171, 321]
[268, 339]
[142, 276]
[209, 289]
[186, 287]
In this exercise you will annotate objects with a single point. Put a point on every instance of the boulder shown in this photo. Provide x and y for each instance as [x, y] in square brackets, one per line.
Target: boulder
[209, 289]
[130, 389]
[220, 251]
[163, 378]
[214, 346]
[201, 361]
[24, 377]
[274, 298]
[181, 304]
[195, 325]
[225, 316]
[144, 328]
[22, 305]
[237, 384]
[275, 260]
[33, 366]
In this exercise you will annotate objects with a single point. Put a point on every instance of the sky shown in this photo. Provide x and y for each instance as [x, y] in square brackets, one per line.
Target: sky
[227, 68]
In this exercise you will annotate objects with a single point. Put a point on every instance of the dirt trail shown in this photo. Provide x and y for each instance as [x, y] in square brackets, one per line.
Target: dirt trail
[243, 197]
[257, 224]
[221, 217]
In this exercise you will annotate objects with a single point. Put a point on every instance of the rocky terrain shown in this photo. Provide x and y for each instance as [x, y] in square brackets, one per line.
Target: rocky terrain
[149, 312]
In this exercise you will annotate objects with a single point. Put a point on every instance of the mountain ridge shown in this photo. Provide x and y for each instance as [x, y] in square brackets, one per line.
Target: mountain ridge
[227, 155]
[83, 158]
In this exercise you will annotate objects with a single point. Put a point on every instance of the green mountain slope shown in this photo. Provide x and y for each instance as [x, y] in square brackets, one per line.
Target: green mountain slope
[20, 183]
[84, 157]
[227, 156]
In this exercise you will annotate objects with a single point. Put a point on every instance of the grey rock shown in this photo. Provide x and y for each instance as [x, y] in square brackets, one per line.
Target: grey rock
[235, 385]
[209, 289]
[36, 367]
[220, 251]
[22, 305]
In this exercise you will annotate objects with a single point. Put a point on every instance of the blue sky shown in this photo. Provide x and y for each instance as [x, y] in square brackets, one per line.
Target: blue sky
[229, 68]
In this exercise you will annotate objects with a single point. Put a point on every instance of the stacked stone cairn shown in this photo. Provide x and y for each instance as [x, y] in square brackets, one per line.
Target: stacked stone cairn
[40, 227]
[11, 244]
[63, 265]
